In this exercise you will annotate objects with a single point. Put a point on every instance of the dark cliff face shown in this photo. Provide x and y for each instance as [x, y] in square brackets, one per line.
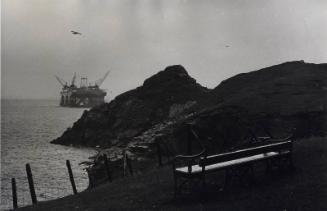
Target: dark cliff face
[284, 89]
[292, 94]
[165, 95]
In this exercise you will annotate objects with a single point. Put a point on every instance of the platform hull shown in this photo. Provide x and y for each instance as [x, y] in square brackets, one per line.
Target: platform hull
[82, 97]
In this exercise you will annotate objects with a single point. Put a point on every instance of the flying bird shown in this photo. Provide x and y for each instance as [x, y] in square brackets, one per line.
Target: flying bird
[76, 33]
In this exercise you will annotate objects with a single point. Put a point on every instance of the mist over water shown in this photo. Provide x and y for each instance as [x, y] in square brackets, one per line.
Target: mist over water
[134, 39]
[27, 127]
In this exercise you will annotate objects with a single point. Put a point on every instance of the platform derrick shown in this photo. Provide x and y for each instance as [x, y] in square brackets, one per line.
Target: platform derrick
[86, 95]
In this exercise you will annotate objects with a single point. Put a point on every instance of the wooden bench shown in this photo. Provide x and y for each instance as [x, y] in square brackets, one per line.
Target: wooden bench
[235, 163]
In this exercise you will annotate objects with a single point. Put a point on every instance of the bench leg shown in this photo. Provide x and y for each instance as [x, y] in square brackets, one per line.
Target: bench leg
[273, 164]
[285, 163]
[177, 190]
[175, 185]
[291, 164]
[280, 163]
[203, 180]
[268, 166]
[252, 176]
[227, 178]
[246, 174]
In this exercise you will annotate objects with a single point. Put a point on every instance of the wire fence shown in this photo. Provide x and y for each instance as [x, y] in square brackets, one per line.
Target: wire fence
[60, 187]
[44, 191]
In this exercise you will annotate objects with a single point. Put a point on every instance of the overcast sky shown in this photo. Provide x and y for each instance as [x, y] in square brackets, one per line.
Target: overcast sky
[134, 39]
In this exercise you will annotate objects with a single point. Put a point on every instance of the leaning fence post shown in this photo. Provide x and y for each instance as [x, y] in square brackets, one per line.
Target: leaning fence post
[14, 193]
[106, 163]
[71, 176]
[31, 183]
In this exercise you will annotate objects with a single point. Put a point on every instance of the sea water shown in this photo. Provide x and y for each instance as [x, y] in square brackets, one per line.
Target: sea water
[27, 127]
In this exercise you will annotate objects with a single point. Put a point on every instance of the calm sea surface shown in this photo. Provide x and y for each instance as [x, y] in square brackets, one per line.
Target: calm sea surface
[27, 127]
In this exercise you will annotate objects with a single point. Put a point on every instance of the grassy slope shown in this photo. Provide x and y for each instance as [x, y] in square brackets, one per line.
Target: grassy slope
[304, 189]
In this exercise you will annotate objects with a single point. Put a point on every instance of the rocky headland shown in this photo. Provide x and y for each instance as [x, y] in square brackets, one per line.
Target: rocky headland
[274, 99]
[166, 95]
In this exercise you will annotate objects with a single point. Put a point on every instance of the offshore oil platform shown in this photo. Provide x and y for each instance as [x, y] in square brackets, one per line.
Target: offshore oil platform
[86, 95]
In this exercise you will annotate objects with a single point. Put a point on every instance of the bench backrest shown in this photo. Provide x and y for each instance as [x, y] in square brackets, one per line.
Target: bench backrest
[273, 147]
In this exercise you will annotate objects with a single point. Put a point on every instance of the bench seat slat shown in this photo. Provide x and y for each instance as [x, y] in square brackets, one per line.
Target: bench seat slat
[253, 148]
[196, 169]
[274, 147]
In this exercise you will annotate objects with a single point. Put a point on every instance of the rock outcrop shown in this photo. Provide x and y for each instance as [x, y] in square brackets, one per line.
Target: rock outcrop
[166, 95]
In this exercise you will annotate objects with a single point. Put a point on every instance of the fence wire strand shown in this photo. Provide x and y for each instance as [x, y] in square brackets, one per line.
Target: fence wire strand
[44, 192]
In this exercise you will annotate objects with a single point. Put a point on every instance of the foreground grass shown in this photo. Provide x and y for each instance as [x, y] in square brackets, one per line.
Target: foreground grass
[303, 189]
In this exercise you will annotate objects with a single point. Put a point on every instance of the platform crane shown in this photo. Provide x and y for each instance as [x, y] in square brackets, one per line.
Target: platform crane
[61, 81]
[101, 80]
[73, 80]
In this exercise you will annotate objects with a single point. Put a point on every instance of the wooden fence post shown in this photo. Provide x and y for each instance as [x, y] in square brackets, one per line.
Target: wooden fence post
[71, 176]
[14, 193]
[129, 165]
[31, 183]
[169, 153]
[106, 163]
[91, 185]
[159, 154]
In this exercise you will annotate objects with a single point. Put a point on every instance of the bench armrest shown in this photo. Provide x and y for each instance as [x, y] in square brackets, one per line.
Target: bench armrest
[187, 160]
[186, 157]
[264, 138]
[287, 138]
